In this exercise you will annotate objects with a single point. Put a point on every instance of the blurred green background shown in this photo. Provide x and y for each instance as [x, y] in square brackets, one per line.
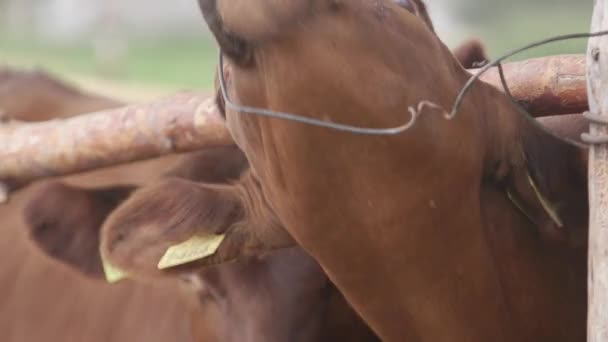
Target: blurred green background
[165, 45]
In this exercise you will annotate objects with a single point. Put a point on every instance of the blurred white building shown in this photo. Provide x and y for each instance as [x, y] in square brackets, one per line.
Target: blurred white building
[66, 21]
[74, 20]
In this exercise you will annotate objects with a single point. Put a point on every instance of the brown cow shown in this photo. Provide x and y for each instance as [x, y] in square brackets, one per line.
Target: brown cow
[292, 297]
[284, 296]
[71, 235]
[43, 302]
[470, 229]
[53, 229]
[38, 96]
[427, 212]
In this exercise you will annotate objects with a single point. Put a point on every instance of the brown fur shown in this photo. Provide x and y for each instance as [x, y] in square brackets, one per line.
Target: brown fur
[86, 212]
[141, 227]
[471, 54]
[38, 96]
[421, 11]
[416, 229]
[284, 296]
[43, 301]
[570, 126]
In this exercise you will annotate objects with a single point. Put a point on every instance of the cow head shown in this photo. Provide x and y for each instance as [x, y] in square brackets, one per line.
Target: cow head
[370, 39]
[71, 235]
[372, 201]
[287, 289]
[208, 193]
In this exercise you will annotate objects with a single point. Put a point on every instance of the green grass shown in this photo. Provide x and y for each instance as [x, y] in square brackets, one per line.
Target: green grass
[190, 63]
[186, 64]
[513, 30]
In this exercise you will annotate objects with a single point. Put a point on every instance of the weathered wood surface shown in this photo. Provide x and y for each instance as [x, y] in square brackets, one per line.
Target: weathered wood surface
[182, 123]
[186, 122]
[597, 61]
[546, 86]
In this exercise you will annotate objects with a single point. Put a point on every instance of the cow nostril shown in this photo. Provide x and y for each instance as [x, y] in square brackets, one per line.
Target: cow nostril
[407, 4]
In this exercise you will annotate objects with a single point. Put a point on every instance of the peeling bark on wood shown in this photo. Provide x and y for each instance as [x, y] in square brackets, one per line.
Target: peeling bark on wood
[597, 61]
[187, 122]
[546, 86]
[182, 123]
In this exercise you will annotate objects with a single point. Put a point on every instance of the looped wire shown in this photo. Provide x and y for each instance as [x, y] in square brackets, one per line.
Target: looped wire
[596, 119]
[309, 120]
[512, 53]
[414, 112]
[497, 62]
[595, 138]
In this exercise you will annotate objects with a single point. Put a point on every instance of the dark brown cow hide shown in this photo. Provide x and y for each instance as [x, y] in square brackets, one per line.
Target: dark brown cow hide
[277, 298]
[43, 301]
[283, 296]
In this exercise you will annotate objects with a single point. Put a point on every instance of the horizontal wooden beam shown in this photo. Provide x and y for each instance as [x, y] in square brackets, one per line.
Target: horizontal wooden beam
[182, 123]
[546, 86]
[189, 121]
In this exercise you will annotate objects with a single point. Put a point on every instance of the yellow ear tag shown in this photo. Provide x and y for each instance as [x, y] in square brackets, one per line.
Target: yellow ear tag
[112, 273]
[196, 248]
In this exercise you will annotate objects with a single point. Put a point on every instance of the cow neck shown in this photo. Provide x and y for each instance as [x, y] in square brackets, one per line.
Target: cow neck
[543, 175]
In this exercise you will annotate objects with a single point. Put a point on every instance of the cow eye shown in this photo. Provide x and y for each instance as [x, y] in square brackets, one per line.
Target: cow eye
[407, 4]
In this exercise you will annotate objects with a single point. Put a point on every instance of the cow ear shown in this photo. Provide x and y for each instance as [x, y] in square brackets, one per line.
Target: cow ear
[158, 216]
[64, 222]
[471, 54]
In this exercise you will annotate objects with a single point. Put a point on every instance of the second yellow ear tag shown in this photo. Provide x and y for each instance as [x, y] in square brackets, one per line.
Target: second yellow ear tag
[112, 273]
[196, 248]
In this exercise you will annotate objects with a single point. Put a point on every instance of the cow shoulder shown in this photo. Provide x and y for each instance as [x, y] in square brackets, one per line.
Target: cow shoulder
[158, 216]
[63, 221]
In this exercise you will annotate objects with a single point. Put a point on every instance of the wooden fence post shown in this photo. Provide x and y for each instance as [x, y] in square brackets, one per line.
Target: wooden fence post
[597, 79]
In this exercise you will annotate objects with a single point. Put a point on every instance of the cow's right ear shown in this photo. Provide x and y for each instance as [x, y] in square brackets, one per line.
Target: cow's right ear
[471, 54]
[233, 218]
[163, 214]
[64, 222]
